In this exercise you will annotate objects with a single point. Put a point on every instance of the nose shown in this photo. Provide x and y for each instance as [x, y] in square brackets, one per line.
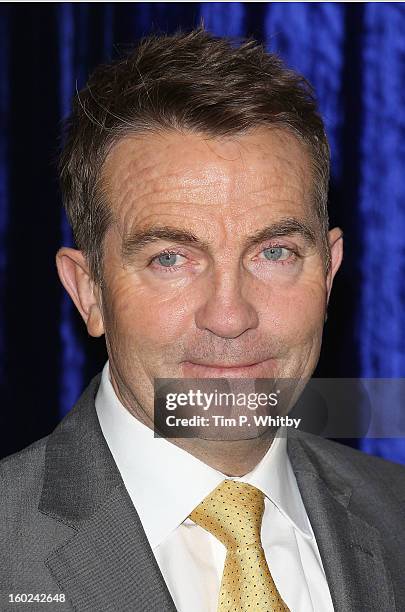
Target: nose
[226, 312]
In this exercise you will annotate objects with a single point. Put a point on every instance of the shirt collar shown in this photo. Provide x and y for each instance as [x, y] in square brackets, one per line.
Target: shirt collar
[159, 475]
[275, 477]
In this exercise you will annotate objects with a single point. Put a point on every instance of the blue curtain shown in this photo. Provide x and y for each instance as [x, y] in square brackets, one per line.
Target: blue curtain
[354, 54]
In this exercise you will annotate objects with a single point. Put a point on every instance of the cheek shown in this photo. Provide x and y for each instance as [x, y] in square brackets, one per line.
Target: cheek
[144, 319]
[298, 313]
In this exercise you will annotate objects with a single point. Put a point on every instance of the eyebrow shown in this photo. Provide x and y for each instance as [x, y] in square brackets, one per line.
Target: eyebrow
[133, 243]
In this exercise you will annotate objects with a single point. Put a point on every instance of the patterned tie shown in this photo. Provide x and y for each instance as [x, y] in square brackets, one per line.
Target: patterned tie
[233, 513]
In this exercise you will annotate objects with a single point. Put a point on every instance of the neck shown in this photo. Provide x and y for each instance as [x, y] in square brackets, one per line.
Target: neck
[233, 457]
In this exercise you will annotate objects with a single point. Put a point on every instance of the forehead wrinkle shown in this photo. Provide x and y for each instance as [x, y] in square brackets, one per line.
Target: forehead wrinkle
[183, 194]
[129, 176]
[172, 184]
[139, 179]
[210, 174]
[220, 189]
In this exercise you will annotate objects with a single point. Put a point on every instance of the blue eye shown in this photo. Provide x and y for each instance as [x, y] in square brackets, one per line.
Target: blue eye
[276, 253]
[167, 259]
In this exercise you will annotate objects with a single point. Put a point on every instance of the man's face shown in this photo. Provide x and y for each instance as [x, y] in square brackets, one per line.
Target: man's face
[197, 281]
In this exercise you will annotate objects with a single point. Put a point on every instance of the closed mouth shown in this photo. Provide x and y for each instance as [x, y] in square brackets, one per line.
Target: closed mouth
[232, 366]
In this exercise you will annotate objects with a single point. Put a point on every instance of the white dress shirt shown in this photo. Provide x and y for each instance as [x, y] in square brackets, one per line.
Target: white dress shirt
[166, 483]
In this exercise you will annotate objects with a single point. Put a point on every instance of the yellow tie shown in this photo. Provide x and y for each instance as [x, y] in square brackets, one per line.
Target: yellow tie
[233, 513]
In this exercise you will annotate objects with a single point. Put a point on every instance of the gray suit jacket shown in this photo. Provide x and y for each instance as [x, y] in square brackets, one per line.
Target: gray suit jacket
[67, 524]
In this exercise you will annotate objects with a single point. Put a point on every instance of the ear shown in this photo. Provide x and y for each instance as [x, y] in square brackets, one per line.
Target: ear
[86, 295]
[335, 238]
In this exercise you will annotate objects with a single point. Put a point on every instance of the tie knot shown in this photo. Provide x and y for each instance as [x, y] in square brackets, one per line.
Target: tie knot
[232, 513]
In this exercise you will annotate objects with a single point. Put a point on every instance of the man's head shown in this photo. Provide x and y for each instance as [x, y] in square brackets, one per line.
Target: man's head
[195, 177]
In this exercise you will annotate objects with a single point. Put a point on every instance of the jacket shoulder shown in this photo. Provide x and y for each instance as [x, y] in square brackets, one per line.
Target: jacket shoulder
[21, 474]
[23, 471]
[363, 470]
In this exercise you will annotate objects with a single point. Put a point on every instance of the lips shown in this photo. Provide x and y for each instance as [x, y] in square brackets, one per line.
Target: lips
[224, 365]
[260, 369]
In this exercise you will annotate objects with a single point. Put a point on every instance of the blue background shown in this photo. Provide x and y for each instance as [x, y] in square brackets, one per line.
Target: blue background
[354, 55]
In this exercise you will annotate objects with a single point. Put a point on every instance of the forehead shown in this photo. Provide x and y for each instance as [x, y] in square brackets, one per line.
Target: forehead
[156, 172]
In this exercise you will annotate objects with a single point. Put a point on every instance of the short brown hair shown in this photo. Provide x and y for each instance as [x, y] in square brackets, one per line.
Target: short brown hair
[186, 81]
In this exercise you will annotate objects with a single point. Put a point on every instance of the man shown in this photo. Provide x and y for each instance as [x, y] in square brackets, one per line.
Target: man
[195, 177]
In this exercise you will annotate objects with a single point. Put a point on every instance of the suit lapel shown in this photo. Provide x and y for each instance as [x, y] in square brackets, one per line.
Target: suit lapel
[106, 562]
[351, 549]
